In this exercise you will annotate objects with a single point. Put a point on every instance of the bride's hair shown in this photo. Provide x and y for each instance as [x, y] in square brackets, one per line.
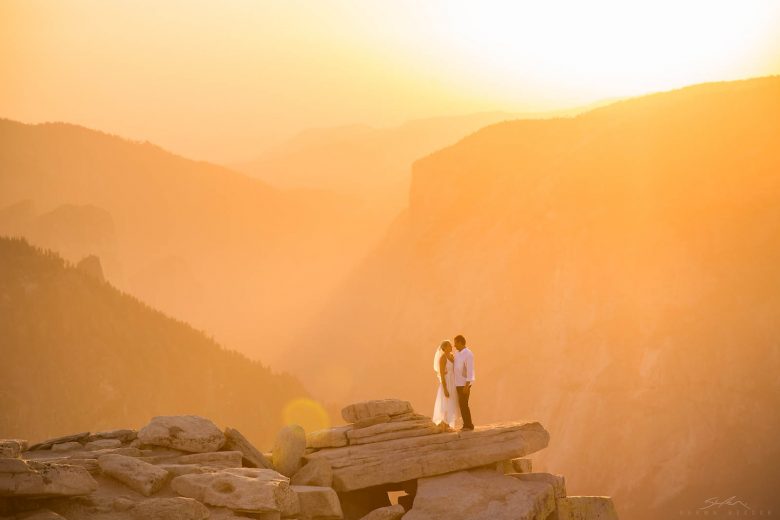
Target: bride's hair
[440, 355]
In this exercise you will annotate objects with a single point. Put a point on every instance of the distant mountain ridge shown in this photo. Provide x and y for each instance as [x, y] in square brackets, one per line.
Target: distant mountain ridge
[223, 251]
[78, 353]
[371, 163]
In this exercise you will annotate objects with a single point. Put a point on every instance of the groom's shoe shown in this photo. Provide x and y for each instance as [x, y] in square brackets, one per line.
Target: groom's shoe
[467, 429]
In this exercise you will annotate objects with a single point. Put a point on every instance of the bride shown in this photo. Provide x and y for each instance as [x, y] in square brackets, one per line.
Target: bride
[446, 409]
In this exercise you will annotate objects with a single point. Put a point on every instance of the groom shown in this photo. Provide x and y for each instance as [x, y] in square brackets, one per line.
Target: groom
[464, 376]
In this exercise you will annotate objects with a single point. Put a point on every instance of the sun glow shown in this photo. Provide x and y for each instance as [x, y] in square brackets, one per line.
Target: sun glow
[246, 74]
[579, 51]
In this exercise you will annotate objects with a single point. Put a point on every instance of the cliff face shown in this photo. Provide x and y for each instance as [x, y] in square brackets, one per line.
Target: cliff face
[78, 354]
[616, 276]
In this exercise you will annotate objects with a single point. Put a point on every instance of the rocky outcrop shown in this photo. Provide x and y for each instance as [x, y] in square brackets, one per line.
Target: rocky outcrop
[430, 454]
[91, 266]
[185, 468]
[388, 446]
[183, 432]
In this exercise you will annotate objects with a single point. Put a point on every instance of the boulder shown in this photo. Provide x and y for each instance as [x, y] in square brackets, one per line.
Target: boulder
[43, 479]
[556, 481]
[136, 474]
[12, 448]
[314, 473]
[481, 494]
[399, 460]
[183, 432]
[386, 513]
[585, 508]
[178, 508]
[102, 444]
[45, 445]
[289, 449]
[318, 502]
[241, 489]
[328, 438]
[216, 459]
[367, 409]
[253, 458]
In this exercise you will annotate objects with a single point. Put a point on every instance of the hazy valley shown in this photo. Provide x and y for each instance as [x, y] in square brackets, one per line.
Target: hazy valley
[78, 353]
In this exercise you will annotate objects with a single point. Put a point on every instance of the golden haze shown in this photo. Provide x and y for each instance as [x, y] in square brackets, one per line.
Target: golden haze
[391, 174]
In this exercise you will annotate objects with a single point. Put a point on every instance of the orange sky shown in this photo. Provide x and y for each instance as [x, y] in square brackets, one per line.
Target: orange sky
[223, 80]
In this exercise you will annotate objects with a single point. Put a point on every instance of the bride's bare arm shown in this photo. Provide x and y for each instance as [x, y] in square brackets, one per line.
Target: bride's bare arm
[442, 375]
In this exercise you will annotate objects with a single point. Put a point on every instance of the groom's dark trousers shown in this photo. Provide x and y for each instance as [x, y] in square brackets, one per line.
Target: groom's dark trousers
[463, 401]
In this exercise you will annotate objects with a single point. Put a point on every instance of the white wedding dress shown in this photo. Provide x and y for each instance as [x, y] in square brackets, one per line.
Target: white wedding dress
[446, 409]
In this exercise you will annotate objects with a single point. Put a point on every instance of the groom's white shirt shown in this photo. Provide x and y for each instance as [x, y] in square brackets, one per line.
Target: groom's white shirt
[464, 367]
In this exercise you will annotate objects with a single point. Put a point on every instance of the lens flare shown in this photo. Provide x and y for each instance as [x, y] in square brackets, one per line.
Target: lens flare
[307, 413]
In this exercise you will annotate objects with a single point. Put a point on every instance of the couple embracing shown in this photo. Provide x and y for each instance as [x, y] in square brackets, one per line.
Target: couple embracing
[455, 371]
